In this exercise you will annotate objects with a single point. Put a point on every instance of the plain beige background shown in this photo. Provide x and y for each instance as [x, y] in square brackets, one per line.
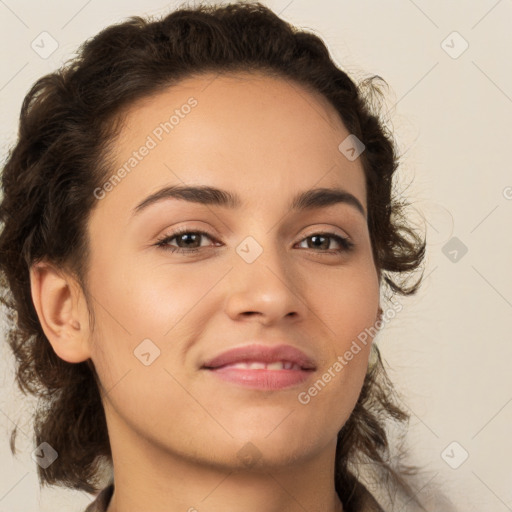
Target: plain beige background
[449, 350]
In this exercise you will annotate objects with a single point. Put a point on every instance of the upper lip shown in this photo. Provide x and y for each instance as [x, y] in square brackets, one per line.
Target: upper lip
[263, 353]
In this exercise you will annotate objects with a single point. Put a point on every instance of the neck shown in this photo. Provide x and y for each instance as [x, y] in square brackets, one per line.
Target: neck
[229, 493]
[146, 478]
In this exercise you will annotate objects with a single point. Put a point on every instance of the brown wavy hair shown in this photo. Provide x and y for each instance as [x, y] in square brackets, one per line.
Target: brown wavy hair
[68, 123]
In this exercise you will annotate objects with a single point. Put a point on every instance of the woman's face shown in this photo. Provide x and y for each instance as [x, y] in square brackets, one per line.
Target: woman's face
[263, 274]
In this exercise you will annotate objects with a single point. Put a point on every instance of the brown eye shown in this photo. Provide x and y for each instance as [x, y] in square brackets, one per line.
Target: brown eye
[187, 240]
[322, 241]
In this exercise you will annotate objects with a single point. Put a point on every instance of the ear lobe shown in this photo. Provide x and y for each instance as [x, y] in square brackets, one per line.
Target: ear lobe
[56, 298]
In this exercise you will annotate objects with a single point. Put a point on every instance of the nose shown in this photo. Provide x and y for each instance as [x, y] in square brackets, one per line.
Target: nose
[266, 289]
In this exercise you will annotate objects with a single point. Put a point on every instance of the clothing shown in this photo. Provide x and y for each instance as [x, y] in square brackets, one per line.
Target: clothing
[101, 503]
[370, 504]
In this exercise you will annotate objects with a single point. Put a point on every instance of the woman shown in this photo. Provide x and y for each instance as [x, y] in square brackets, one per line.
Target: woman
[197, 226]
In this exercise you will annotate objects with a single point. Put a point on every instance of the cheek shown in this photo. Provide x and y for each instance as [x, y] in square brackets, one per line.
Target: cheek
[138, 300]
[347, 306]
[150, 314]
[347, 303]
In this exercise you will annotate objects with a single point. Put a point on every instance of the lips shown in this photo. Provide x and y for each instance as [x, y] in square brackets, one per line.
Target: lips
[261, 367]
[262, 357]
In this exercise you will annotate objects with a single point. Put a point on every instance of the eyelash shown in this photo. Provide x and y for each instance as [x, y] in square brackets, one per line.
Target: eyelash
[162, 243]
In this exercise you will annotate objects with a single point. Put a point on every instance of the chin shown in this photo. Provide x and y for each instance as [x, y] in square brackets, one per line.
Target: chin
[274, 449]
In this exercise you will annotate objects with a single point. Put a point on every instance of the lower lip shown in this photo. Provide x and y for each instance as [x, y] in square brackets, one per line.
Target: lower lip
[262, 379]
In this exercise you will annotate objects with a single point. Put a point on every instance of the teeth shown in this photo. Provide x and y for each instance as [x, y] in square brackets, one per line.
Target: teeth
[257, 365]
[278, 365]
[243, 366]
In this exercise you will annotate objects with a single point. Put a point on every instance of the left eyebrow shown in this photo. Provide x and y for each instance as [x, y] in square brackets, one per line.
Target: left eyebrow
[307, 200]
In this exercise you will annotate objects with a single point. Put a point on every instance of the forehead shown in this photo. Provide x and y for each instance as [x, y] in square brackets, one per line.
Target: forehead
[259, 135]
[257, 104]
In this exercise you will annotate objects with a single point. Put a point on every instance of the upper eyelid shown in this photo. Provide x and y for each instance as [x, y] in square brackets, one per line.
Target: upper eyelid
[347, 245]
[215, 238]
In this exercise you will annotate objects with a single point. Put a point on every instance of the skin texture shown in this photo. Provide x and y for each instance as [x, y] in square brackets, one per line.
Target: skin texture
[176, 431]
